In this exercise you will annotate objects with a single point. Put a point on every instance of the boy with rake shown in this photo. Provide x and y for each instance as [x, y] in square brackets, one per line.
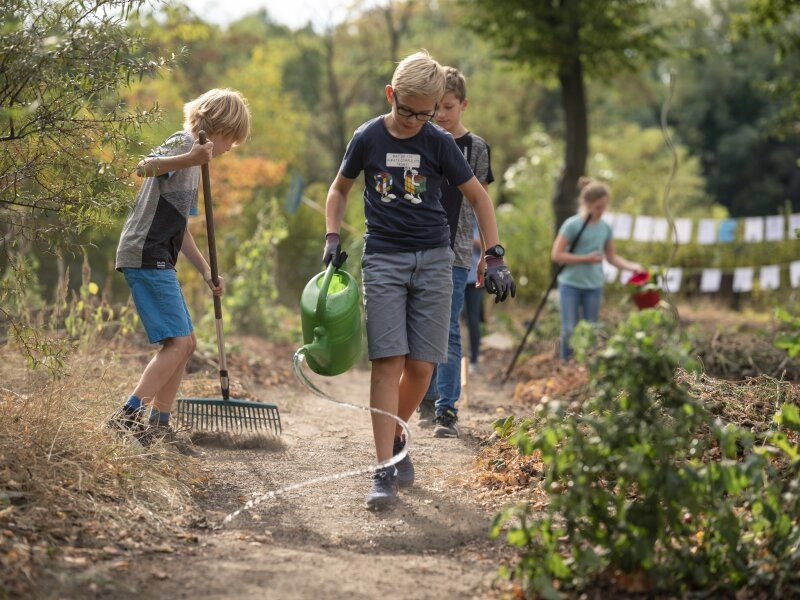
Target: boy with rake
[155, 232]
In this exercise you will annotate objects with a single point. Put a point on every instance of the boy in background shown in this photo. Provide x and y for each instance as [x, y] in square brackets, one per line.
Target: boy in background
[155, 232]
[445, 387]
[407, 262]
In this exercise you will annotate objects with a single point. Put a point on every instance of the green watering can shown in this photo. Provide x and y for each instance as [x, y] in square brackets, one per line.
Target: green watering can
[329, 310]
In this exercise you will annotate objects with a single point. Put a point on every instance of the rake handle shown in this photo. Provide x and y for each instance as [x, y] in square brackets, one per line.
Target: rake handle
[212, 261]
[542, 302]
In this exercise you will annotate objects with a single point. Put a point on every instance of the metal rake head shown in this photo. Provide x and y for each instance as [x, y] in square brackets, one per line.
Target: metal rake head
[218, 414]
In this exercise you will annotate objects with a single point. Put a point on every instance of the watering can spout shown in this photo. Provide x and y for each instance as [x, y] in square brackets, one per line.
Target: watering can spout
[331, 321]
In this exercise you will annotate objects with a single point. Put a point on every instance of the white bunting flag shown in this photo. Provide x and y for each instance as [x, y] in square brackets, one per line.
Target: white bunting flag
[769, 277]
[743, 279]
[794, 225]
[794, 273]
[683, 231]
[754, 229]
[710, 280]
[643, 228]
[672, 279]
[707, 231]
[622, 226]
[776, 227]
[660, 229]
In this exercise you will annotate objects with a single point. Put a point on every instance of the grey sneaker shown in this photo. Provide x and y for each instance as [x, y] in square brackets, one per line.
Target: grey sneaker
[384, 489]
[126, 421]
[427, 412]
[405, 468]
[446, 425]
[162, 432]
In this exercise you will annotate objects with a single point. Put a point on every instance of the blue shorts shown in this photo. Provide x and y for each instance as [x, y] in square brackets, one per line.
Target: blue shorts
[159, 302]
[407, 303]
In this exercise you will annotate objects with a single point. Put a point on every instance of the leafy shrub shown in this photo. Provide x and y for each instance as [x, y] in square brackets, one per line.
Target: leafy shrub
[645, 482]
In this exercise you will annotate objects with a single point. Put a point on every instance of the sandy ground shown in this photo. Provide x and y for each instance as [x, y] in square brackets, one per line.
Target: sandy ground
[318, 540]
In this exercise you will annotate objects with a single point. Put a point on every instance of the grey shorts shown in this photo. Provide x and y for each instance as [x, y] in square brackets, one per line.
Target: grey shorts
[407, 303]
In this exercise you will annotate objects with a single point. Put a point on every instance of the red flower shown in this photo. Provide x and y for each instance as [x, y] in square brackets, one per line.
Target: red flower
[639, 279]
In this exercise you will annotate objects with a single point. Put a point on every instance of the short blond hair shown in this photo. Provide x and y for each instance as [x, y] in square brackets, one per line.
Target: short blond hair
[419, 75]
[218, 111]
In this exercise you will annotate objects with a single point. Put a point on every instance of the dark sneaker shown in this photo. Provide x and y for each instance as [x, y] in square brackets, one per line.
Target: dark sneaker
[427, 412]
[126, 420]
[162, 432]
[384, 488]
[405, 468]
[446, 425]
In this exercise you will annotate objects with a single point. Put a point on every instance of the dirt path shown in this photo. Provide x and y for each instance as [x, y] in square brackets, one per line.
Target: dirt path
[319, 541]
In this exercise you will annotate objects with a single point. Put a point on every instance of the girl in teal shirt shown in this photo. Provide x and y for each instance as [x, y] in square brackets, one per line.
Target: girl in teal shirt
[580, 283]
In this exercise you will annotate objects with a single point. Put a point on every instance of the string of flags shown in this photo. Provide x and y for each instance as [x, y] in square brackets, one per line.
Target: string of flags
[644, 228]
[711, 279]
[773, 228]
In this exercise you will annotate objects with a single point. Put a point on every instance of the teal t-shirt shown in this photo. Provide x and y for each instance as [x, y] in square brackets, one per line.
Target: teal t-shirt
[585, 276]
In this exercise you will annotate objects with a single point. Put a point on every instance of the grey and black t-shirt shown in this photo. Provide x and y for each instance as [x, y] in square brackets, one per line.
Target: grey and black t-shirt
[153, 232]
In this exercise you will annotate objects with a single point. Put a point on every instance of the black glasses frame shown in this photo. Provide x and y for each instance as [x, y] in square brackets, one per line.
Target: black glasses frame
[406, 112]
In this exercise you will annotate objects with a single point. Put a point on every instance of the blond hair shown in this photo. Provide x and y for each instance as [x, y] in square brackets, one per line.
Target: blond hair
[419, 75]
[218, 111]
[592, 190]
[455, 83]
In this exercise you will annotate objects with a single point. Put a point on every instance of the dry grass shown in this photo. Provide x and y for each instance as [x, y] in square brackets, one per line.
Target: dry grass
[68, 489]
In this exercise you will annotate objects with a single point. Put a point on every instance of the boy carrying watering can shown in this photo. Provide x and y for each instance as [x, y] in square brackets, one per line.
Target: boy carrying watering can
[407, 262]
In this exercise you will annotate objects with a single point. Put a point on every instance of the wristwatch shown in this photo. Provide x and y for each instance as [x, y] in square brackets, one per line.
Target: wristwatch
[497, 251]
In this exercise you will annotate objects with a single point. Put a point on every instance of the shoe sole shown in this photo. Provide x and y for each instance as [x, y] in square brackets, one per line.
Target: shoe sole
[405, 483]
[381, 503]
[446, 433]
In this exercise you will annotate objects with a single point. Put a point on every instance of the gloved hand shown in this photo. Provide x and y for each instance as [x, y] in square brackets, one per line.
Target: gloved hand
[333, 251]
[498, 279]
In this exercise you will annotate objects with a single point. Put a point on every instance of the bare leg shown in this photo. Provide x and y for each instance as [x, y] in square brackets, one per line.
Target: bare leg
[165, 398]
[414, 383]
[384, 394]
[163, 374]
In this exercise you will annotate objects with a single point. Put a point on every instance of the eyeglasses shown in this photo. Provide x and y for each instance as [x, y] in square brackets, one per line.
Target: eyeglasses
[407, 113]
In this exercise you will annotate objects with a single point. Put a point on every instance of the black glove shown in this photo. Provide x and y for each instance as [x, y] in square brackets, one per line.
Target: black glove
[497, 279]
[333, 251]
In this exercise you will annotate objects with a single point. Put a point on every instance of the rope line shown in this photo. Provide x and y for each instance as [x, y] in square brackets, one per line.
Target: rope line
[259, 497]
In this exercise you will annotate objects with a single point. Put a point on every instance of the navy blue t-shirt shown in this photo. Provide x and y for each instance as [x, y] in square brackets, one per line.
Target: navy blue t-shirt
[403, 185]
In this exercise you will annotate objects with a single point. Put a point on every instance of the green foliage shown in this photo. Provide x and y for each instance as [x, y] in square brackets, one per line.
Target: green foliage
[788, 340]
[724, 107]
[550, 36]
[252, 292]
[64, 133]
[644, 481]
[61, 122]
[776, 22]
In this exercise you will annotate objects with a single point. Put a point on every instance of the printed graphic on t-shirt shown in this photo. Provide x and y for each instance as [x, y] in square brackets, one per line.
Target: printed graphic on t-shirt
[383, 185]
[414, 184]
[407, 161]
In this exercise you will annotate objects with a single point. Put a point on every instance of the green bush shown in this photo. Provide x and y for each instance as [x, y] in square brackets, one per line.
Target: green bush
[643, 480]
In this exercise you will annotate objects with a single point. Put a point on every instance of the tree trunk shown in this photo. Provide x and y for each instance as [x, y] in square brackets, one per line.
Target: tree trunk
[573, 101]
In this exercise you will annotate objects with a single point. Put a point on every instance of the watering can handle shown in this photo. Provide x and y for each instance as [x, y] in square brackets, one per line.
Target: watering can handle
[323, 290]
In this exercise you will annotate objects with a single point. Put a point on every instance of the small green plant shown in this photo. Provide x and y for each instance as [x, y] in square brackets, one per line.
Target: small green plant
[788, 340]
[643, 481]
